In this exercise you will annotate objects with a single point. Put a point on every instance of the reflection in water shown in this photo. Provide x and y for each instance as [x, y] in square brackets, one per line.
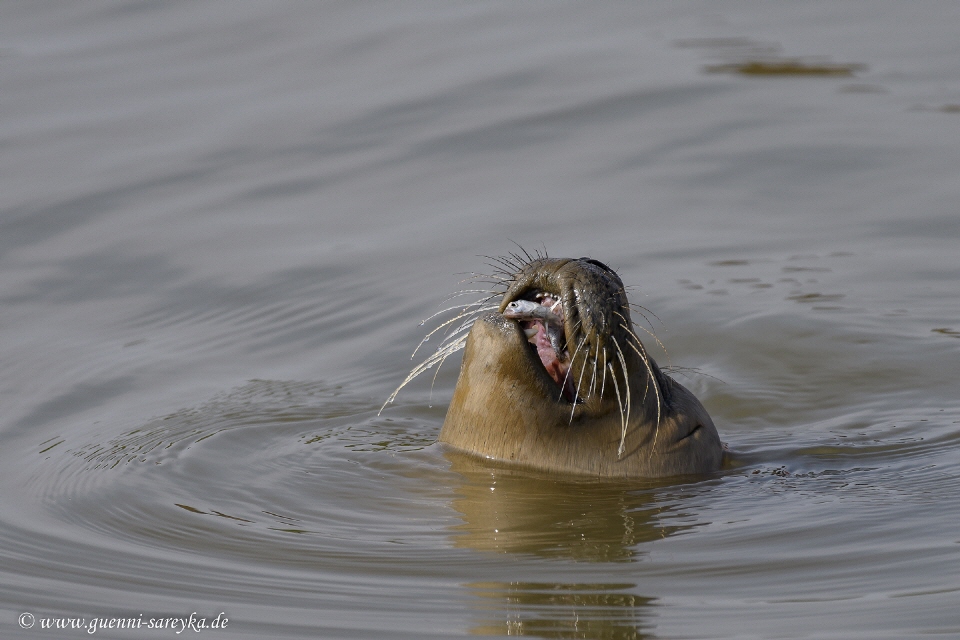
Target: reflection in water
[508, 510]
[546, 610]
[518, 511]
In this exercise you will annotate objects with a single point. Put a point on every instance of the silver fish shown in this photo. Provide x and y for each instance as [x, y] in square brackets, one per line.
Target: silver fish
[552, 322]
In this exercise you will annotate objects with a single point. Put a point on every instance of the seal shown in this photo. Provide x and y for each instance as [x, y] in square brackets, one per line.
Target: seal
[555, 378]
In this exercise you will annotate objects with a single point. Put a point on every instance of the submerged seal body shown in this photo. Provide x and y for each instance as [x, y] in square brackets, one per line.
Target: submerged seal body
[570, 388]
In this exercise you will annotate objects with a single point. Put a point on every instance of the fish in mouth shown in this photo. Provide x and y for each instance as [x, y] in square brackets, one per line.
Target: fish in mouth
[555, 377]
[542, 323]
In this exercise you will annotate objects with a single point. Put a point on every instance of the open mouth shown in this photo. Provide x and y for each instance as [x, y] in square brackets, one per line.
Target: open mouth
[542, 318]
[574, 318]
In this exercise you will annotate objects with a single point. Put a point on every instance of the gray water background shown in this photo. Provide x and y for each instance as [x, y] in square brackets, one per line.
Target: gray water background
[221, 223]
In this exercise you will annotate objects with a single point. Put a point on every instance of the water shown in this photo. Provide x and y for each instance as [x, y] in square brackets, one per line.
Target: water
[221, 226]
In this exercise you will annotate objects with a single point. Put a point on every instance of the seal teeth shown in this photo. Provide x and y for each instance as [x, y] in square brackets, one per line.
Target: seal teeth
[531, 332]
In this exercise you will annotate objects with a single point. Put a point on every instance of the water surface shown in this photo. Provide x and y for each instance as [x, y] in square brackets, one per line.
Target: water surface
[220, 228]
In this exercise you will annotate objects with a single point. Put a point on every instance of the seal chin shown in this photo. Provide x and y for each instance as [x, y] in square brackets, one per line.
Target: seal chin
[501, 361]
[505, 403]
[503, 378]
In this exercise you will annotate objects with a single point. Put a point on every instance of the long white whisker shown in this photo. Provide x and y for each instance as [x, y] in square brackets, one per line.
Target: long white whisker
[437, 372]
[456, 306]
[451, 321]
[603, 383]
[579, 380]
[643, 311]
[464, 292]
[623, 424]
[642, 352]
[593, 378]
[476, 277]
[439, 356]
[441, 326]
[567, 374]
[468, 322]
[627, 326]
[651, 379]
[626, 384]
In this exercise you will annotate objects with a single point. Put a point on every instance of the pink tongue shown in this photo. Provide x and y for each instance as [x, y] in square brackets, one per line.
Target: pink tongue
[548, 356]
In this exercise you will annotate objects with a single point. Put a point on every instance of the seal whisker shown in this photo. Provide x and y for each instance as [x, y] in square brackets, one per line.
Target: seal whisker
[438, 356]
[463, 292]
[504, 274]
[686, 371]
[518, 259]
[500, 277]
[603, 383]
[644, 311]
[449, 322]
[443, 359]
[623, 424]
[498, 286]
[454, 307]
[654, 336]
[642, 352]
[475, 313]
[474, 276]
[656, 389]
[628, 328]
[639, 345]
[583, 370]
[593, 378]
[525, 252]
[488, 278]
[626, 384]
[501, 260]
[467, 324]
[509, 266]
[566, 376]
[573, 332]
